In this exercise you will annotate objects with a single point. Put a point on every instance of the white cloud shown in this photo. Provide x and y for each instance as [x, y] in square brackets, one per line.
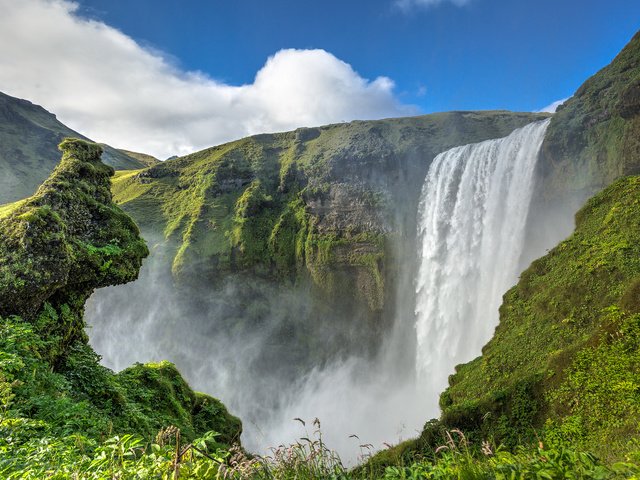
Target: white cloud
[407, 5]
[551, 108]
[102, 83]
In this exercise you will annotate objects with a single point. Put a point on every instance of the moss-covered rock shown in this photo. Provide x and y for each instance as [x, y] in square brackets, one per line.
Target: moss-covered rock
[594, 137]
[57, 247]
[64, 242]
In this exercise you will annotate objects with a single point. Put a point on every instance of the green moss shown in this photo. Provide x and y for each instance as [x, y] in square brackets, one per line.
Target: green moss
[57, 247]
[161, 397]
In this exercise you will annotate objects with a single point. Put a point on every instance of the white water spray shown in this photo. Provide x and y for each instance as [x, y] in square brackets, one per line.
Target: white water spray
[471, 227]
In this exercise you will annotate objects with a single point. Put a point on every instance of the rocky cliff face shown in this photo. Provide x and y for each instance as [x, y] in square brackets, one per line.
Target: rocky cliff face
[57, 247]
[593, 139]
[320, 206]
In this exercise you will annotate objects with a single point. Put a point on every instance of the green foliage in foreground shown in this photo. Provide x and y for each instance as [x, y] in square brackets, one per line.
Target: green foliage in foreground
[58, 405]
[27, 456]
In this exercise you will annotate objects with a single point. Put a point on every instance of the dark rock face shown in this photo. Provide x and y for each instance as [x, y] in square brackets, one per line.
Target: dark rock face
[592, 140]
[594, 137]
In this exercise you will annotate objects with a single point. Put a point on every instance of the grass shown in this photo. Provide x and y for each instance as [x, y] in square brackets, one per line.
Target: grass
[565, 355]
[8, 208]
[168, 456]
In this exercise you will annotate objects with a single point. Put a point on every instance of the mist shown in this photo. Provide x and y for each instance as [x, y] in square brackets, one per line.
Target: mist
[244, 343]
[274, 352]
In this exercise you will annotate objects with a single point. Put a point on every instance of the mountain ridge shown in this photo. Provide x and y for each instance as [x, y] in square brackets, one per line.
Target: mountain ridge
[29, 138]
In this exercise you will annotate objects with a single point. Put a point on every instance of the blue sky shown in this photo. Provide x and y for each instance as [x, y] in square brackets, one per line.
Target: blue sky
[171, 77]
[485, 54]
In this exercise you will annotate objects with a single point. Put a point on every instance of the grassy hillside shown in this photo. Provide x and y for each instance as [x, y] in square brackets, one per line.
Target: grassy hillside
[147, 160]
[57, 247]
[29, 138]
[565, 356]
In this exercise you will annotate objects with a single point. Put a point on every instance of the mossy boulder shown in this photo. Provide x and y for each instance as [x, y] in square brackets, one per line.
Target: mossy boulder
[68, 236]
[164, 398]
[57, 247]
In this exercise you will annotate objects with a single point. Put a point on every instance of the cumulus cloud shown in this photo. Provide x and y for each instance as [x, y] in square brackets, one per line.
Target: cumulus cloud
[407, 5]
[551, 108]
[102, 83]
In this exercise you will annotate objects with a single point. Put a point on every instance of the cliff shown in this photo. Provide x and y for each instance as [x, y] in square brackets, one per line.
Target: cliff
[593, 139]
[328, 211]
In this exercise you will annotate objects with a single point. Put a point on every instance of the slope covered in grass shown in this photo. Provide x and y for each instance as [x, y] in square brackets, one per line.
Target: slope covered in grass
[565, 356]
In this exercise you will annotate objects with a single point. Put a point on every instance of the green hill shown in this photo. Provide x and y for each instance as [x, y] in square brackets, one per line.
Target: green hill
[147, 160]
[29, 138]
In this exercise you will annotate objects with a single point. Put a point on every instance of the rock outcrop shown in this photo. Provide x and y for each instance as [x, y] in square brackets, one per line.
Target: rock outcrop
[57, 247]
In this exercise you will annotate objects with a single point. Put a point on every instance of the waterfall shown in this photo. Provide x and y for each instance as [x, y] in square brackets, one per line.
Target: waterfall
[471, 226]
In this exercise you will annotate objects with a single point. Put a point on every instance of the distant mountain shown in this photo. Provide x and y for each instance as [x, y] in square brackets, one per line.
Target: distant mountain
[29, 138]
[148, 160]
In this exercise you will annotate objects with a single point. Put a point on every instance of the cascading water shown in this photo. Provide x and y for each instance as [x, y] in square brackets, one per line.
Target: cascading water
[471, 225]
[472, 216]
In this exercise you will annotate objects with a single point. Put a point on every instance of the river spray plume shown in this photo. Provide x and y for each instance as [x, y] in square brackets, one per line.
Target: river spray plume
[231, 340]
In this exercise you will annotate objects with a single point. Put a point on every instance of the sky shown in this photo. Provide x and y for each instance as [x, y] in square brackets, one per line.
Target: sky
[170, 77]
